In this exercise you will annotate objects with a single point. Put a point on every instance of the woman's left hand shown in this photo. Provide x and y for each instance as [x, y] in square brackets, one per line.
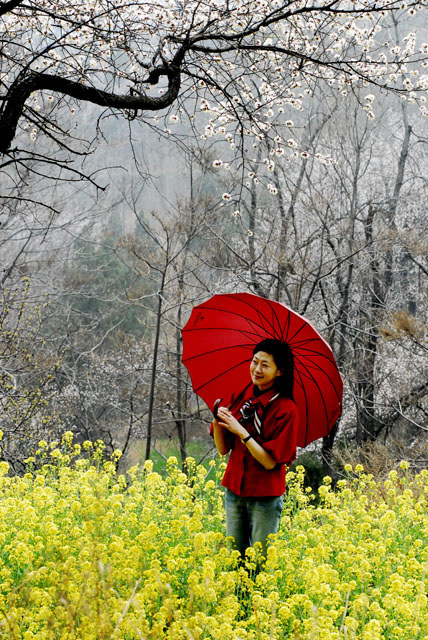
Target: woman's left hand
[226, 420]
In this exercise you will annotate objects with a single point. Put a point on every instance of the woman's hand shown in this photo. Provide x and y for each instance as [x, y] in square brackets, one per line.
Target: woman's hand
[227, 420]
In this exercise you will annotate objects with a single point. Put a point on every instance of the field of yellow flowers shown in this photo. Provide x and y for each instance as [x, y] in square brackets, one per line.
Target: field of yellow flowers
[88, 554]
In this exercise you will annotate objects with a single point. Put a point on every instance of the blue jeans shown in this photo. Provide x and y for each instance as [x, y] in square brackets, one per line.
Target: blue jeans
[251, 520]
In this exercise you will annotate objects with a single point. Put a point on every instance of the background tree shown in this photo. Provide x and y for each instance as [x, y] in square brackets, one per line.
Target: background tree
[294, 176]
[331, 246]
[26, 376]
[166, 249]
[243, 63]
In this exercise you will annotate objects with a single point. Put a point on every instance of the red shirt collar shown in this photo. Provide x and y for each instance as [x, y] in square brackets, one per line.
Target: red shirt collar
[264, 398]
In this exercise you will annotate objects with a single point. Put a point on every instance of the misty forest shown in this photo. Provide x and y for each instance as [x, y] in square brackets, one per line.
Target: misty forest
[156, 153]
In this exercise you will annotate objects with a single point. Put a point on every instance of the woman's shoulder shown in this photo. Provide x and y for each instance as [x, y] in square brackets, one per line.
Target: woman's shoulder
[283, 405]
[281, 415]
[284, 400]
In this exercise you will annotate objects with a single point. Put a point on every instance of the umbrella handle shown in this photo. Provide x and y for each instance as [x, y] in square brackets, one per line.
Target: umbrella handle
[216, 406]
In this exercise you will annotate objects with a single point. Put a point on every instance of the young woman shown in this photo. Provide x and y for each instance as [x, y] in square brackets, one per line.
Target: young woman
[259, 427]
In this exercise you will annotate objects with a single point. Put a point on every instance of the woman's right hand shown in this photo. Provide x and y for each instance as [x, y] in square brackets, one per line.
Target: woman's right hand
[219, 438]
[229, 422]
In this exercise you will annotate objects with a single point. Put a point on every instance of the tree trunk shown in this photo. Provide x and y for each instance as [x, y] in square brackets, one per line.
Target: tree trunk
[154, 367]
[369, 425]
[180, 421]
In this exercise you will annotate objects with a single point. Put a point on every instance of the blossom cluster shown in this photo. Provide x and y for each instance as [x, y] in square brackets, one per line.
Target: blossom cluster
[275, 58]
[88, 553]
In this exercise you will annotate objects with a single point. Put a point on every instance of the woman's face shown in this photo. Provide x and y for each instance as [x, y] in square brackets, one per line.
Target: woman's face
[263, 370]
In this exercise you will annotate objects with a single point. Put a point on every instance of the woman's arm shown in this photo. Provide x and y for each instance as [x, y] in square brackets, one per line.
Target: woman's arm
[219, 439]
[260, 454]
[227, 421]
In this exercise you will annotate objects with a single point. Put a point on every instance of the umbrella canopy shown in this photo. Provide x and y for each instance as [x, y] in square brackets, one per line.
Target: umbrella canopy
[218, 342]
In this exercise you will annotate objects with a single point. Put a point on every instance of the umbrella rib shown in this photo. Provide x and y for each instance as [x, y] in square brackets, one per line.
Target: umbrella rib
[303, 326]
[279, 323]
[253, 307]
[240, 315]
[319, 338]
[306, 406]
[301, 345]
[310, 353]
[311, 377]
[235, 366]
[273, 311]
[281, 332]
[317, 367]
[217, 350]
[228, 329]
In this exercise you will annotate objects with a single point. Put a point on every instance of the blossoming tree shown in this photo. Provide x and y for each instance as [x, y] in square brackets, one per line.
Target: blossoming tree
[245, 63]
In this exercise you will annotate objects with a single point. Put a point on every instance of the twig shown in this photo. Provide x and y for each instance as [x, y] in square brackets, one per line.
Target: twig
[128, 604]
[345, 612]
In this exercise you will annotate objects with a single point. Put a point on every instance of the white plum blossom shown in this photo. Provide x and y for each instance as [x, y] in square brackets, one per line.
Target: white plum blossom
[132, 50]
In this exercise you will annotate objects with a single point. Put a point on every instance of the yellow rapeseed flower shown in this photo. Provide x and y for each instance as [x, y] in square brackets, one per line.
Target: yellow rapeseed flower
[89, 553]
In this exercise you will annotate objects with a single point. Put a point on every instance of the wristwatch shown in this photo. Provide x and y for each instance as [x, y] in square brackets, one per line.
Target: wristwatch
[244, 440]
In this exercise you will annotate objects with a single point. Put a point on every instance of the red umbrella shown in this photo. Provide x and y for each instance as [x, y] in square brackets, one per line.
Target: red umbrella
[218, 342]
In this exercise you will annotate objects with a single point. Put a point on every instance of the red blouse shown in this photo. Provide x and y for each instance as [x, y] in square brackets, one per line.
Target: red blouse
[278, 436]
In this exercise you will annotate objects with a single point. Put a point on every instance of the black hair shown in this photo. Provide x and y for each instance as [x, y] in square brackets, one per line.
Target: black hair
[284, 359]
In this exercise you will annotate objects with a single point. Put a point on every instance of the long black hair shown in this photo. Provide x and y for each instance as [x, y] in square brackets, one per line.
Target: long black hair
[284, 359]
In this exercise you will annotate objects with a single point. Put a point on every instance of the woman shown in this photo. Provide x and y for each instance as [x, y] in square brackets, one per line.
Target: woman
[259, 428]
